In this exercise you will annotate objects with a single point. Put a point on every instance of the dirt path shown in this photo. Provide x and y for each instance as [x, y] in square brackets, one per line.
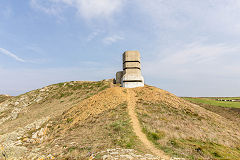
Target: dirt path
[131, 99]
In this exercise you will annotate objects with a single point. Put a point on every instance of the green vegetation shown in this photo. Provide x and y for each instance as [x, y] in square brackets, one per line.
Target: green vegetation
[226, 98]
[196, 149]
[66, 94]
[69, 120]
[154, 136]
[121, 131]
[119, 127]
[72, 148]
[211, 101]
[109, 129]
[180, 120]
[88, 89]
[87, 85]
[202, 149]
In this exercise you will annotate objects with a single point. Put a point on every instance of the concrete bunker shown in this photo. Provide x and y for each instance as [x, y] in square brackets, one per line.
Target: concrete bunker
[131, 75]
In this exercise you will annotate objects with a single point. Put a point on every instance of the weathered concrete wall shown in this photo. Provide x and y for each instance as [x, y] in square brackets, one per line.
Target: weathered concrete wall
[128, 65]
[119, 77]
[133, 84]
[131, 75]
[129, 56]
[132, 71]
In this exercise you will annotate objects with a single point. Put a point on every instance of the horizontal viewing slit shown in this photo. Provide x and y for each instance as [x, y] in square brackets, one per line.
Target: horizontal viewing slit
[132, 81]
[131, 68]
[131, 61]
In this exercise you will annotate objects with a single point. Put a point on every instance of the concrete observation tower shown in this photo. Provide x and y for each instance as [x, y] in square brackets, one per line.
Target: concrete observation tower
[131, 75]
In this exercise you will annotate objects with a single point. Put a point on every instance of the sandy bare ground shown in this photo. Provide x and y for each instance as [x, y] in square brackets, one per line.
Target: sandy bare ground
[131, 100]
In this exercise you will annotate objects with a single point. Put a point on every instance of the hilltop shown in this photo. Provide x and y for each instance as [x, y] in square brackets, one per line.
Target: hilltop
[73, 120]
[4, 97]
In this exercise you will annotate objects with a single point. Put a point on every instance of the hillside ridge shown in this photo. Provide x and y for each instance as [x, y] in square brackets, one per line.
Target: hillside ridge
[74, 120]
[4, 97]
[137, 128]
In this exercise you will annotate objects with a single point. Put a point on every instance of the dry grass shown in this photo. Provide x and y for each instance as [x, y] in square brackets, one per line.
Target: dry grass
[229, 113]
[168, 120]
[178, 127]
[98, 123]
[88, 117]
[57, 98]
[4, 98]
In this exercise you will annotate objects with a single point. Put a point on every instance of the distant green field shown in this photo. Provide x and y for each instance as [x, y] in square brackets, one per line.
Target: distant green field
[223, 98]
[212, 101]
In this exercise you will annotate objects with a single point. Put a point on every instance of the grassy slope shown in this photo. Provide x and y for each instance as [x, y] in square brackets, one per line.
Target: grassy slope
[186, 130]
[231, 113]
[98, 123]
[95, 118]
[4, 98]
[213, 102]
[50, 101]
[110, 129]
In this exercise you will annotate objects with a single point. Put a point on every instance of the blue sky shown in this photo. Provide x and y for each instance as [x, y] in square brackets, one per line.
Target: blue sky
[188, 47]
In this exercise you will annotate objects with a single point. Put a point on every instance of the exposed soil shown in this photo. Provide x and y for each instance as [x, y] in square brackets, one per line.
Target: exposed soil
[50, 101]
[74, 119]
[232, 114]
[4, 98]
[131, 99]
[184, 129]
[97, 123]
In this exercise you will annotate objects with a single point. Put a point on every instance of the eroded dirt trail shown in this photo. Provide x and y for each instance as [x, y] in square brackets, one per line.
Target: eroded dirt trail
[131, 99]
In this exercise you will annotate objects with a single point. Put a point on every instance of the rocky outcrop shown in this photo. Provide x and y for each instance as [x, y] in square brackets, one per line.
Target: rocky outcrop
[14, 143]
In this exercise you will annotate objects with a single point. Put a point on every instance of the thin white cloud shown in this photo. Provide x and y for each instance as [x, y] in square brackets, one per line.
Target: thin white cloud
[88, 9]
[93, 35]
[112, 39]
[206, 15]
[12, 55]
[46, 6]
[197, 69]
[197, 53]
[193, 58]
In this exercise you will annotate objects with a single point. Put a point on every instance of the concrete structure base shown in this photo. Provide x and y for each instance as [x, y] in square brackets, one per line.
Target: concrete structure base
[132, 84]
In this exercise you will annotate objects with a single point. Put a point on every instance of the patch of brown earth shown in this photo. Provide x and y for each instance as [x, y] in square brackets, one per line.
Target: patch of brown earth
[167, 117]
[131, 99]
[4, 97]
[80, 124]
[98, 123]
[50, 101]
[232, 114]
[107, 99]
[90, 117]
